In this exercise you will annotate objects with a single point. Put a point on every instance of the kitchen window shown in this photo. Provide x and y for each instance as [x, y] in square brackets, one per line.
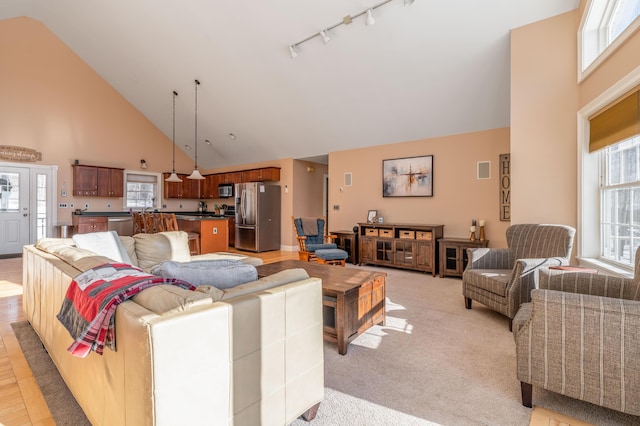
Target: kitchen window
[142, 190]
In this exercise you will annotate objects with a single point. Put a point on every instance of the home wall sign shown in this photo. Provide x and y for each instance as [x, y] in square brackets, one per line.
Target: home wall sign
[18, 153]
[505, 187]
[408, 177]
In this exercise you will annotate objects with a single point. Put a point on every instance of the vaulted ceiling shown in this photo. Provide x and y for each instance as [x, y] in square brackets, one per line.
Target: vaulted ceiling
[433, 68]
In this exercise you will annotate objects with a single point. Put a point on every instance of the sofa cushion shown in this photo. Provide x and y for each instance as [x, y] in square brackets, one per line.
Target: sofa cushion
[162, 299]
[130, 246]
[219, 273]
[492, 280]
[248, 260]
[151, 249]
[280, 278]
[65, 250]
[104, 244]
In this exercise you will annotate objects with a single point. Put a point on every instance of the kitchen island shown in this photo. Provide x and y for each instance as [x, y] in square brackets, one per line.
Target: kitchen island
[213, 230]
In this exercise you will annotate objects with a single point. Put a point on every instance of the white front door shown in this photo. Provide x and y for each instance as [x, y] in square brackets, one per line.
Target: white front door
[14, 209]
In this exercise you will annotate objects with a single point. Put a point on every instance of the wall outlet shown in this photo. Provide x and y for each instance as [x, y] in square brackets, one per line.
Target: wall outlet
[180, 205]
[63, 193]
[108, 206]
[86, 205]
[215, 231]
[336, 207]
[62, 205]
[164, 206]
[71, 205]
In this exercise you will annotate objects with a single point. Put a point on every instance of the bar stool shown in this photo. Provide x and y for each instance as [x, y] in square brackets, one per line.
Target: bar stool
[171, 224]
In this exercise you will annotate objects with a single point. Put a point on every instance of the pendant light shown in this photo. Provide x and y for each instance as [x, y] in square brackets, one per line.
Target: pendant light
[196, 173]
[174, 177]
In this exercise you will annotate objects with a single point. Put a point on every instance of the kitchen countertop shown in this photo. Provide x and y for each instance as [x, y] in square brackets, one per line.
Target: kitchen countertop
[179, 215]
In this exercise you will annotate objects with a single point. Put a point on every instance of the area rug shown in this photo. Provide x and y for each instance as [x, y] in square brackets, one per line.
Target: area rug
[62, 405]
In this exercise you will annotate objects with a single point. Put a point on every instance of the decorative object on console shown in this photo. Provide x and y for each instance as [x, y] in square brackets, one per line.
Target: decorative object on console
[174, 177]
[408, 177]
[482, 236]
[371, 216]
[472, 230]
[196, 173]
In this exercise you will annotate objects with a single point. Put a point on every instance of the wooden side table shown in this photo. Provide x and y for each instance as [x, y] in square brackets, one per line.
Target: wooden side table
[453, 254]
[347, 241]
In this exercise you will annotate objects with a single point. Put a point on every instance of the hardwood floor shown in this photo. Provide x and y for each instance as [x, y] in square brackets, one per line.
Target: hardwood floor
[21, 402]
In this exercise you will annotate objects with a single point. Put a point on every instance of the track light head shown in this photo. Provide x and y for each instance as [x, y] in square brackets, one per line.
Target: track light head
[408, 2]
[370, 20]
[325, 37]
[292, 51]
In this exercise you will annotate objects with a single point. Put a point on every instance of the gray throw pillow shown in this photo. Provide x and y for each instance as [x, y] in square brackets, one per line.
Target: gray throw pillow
[220, 273]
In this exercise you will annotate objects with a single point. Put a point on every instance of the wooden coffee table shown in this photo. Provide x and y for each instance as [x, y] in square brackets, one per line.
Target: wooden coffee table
[352, 299]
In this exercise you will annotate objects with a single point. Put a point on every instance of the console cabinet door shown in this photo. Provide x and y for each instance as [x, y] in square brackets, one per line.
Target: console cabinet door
[367, 249]
[425, 255]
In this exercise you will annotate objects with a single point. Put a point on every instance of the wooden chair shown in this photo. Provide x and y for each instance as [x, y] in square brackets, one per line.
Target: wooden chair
[314, 239]
[170, 223]
[142, 223]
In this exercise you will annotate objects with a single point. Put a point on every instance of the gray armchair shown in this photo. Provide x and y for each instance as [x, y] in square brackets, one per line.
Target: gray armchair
[502, 278]
[580, 337]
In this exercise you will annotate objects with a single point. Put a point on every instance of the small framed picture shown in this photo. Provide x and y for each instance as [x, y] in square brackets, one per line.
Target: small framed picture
[371, 216]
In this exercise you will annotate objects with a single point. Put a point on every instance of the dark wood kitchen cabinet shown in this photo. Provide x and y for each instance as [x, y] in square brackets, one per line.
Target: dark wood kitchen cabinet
[188, 188]
[95, 181]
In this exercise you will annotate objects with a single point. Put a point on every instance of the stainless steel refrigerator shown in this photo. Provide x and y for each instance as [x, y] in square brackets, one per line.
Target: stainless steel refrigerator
[257, 216]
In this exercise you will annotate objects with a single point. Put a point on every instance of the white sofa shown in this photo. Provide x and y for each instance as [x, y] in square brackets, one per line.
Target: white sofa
[249, 355]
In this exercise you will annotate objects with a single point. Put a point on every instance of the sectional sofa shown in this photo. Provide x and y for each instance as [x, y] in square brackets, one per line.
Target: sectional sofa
[247, 355]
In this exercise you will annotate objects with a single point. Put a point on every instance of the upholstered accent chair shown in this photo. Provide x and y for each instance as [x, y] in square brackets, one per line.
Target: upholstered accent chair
[579, 336]
[312, 235]
[502, 278]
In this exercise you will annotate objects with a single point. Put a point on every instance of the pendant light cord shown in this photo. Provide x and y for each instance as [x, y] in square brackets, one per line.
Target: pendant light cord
[174, 130]
[196, 130]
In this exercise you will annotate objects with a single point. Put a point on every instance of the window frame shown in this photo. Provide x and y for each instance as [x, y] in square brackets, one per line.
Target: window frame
[614, 187]
[158, 190]
[590, 32]
[590, 175]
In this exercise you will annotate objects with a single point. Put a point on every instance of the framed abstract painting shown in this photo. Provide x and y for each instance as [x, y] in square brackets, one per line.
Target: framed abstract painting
[408, 177]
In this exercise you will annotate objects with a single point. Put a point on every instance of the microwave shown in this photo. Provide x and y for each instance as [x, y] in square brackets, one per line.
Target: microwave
[225, 190]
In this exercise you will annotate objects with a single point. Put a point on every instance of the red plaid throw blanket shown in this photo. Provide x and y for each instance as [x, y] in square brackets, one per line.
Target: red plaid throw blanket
[91, 300]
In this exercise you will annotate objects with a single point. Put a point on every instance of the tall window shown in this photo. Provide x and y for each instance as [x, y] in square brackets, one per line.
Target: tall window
[620, 202]
[142, 190]
[605, 23]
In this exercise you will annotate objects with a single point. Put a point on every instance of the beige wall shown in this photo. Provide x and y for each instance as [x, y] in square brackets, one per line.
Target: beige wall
[545, 99]
[458, 197]
[54, 103]
[543, 121]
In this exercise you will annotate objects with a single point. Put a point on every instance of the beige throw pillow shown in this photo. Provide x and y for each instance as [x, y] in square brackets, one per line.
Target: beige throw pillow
[151, 249]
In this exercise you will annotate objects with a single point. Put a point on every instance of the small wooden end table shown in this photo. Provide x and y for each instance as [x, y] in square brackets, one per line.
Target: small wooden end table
[353, 300]
[453, 254]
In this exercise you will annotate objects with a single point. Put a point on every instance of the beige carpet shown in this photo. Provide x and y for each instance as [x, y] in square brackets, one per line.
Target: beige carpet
[433, 363]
